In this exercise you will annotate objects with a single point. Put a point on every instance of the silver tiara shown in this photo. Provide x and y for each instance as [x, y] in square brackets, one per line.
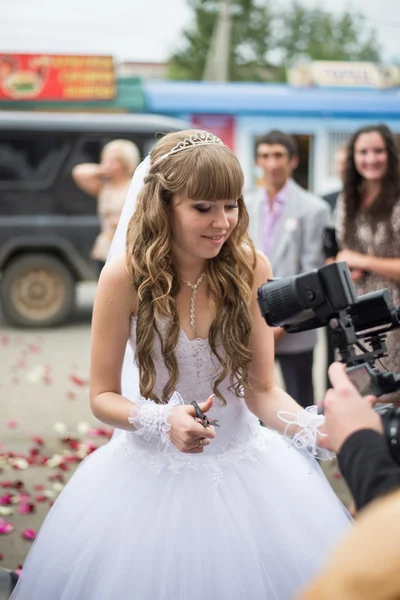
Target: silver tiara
[199, 138]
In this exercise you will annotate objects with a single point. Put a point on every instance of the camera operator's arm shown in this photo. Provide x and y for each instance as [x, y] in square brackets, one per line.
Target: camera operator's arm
[355, 432]
[366, 464]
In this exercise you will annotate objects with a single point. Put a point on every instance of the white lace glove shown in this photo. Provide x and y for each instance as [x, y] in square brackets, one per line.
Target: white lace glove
[309, 420]
[151, 419]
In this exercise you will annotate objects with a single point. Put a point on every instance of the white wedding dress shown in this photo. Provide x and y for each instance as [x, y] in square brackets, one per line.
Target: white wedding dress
[251, 518]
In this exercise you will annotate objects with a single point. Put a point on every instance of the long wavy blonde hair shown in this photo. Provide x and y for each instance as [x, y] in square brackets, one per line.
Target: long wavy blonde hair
[205, 172]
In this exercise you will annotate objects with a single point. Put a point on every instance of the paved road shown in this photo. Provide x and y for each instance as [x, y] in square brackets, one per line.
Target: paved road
[44, 394]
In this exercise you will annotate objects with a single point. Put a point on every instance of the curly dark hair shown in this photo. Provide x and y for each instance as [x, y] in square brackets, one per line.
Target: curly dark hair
[381, 209]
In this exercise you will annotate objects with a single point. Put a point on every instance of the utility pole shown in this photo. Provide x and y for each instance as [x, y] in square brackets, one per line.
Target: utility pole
[217, 62]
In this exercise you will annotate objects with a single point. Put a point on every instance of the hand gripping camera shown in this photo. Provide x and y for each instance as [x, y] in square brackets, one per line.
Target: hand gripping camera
[359, 326]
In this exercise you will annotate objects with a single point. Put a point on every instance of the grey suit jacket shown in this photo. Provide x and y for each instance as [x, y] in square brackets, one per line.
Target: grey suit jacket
[297, 248]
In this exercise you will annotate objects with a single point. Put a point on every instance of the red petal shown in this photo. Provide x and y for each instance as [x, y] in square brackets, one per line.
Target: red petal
[38, 440]
[41, 498]
[78, 380]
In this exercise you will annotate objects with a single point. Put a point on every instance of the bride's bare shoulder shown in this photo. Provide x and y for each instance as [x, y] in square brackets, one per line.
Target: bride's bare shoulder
[115, 284]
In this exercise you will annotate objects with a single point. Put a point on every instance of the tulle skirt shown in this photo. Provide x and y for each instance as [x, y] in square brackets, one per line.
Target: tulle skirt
[254, 527]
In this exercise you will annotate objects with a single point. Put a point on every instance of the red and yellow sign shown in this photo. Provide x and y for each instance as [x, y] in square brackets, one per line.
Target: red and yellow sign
[56, 77]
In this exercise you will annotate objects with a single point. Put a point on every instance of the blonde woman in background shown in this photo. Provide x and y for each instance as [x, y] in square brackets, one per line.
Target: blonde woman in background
[109, 182]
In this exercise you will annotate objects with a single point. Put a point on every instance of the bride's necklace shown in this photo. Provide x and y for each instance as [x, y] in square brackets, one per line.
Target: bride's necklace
[194, 287]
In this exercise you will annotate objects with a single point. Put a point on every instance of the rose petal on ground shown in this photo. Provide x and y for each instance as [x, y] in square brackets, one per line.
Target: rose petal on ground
[38, 440]
[5, 500]
[34, 348]
[36, 374]
[26, 508]
[5, 527]
[11, 424]
[29, 534]
[41, 498]
[19, 463]
[82, 428]
[78, 380]
[60, 427]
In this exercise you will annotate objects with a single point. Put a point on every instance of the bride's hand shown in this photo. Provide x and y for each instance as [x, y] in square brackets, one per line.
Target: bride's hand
[186, 433]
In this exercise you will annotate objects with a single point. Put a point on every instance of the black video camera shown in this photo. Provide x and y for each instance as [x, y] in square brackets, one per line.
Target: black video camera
[359, 326]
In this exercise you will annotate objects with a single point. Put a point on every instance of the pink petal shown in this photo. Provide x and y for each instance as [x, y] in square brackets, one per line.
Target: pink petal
[35, 348]
[29, 534]
[26, 508]
[6, 527]
[5, 500]
[11, 424]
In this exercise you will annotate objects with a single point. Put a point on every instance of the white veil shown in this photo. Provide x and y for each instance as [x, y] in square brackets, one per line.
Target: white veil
[130, 372]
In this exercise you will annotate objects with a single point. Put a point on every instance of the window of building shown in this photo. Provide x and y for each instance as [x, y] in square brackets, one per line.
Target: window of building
[336, 140]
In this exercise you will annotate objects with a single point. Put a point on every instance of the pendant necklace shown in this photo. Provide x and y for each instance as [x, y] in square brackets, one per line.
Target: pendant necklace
[194, 287]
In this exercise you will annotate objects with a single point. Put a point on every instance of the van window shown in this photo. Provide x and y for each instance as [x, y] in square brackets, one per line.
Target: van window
[30, 157]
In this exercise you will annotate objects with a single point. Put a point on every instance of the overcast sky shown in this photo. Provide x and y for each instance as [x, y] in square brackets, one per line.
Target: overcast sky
[140, 30]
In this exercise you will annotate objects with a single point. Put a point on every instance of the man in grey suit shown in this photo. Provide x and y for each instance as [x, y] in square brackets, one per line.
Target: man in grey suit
[287, 224]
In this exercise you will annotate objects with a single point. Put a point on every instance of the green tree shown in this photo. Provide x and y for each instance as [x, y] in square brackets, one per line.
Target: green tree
[264, 41]
[250, 41]
[320, 35]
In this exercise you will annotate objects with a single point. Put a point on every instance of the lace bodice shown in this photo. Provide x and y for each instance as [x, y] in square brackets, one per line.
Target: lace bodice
[239, 435]
[197, 368]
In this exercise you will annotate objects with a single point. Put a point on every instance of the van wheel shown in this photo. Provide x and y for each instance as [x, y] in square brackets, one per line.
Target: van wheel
[37, 290]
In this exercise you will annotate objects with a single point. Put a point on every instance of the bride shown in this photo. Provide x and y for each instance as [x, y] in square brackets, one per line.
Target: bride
[177, 506]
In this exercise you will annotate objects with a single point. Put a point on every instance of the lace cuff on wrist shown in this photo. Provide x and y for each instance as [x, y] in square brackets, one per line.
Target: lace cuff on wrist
[151, 419]
[307, 438]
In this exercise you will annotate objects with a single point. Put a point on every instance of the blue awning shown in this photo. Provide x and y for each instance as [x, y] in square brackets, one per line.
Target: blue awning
[177, 97]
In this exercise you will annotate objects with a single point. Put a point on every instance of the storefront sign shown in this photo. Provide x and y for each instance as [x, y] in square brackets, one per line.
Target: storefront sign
[56, 77]
[344, 74]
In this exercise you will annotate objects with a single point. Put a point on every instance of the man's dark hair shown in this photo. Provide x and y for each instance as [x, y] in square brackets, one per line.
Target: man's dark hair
[279, 137]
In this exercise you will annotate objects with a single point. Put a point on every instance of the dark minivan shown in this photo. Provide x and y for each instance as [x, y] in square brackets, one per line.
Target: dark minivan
[48, 225]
